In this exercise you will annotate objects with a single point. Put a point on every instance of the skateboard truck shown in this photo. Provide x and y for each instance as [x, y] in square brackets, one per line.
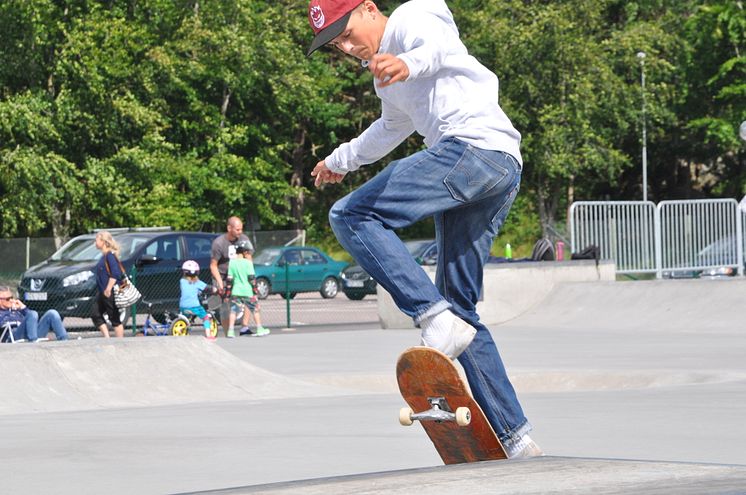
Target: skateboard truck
[439, 411]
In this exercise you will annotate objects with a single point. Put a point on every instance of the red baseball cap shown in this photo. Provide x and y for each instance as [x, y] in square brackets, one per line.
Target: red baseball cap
[328, 18]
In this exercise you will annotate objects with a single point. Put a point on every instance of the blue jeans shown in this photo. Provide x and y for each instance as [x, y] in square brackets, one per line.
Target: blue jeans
[34, 328]
[468, 191]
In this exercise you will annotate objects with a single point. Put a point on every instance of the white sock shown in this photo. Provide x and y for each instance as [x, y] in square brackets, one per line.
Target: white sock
[447, 333]
[437, 328]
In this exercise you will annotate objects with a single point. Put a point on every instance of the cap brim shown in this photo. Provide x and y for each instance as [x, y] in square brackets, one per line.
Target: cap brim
[329, 33]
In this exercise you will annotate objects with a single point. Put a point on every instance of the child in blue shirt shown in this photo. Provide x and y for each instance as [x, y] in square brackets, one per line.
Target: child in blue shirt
[189, 303]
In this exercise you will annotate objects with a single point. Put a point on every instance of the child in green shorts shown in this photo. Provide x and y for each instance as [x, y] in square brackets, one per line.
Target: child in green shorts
[241, 270]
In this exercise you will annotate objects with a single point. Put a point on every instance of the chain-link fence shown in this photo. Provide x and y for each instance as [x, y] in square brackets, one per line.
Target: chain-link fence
[19, 254]
[298, 285]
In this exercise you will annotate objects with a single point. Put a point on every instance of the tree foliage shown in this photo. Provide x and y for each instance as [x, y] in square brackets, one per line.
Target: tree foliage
[183, 112]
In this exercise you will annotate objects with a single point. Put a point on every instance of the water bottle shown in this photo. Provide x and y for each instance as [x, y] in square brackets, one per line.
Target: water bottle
[508, 251]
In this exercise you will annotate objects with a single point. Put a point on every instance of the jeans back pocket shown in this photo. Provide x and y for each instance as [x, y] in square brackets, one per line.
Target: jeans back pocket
[477, 173]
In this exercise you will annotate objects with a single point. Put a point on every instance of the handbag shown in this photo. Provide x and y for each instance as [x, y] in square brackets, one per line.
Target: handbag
[125, 292]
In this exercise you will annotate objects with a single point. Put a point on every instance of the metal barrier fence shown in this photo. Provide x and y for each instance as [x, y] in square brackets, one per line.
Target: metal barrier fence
[623, 230]
[158, 278]
[701, 234]
[675, 236]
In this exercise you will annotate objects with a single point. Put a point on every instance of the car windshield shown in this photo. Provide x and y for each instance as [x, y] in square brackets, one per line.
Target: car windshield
[417, 248]
[266, 257]
[726, 245]
[72, 248]
[84, 249]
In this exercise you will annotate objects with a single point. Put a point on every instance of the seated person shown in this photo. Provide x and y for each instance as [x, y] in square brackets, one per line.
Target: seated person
[191, 288]
[28, 324]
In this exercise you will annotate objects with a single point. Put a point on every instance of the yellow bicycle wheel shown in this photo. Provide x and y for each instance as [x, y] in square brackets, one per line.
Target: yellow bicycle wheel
[180, 327]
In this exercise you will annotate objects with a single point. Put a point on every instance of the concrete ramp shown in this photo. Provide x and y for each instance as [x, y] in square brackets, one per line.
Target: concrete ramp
[680, 305]
[539, 476]
[96, 373]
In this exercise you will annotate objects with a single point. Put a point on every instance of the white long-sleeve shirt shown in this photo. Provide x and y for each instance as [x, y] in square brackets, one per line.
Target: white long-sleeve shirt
[448, 92]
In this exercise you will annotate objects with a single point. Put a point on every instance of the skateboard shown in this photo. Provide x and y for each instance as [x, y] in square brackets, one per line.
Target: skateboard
[439, 399]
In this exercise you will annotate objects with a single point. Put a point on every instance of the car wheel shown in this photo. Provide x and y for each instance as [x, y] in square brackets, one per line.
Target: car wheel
[289, 296]
[262, 288]
[355, 296]
[329, 288]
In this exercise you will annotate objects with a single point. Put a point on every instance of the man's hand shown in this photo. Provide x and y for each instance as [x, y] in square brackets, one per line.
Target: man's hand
[388, 69]
[324, 175]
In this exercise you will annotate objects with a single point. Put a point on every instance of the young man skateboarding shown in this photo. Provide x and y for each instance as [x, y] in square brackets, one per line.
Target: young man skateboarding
[466, 179]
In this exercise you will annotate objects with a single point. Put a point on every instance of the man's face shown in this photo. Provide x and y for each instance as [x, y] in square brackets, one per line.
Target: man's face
[362, 37]
[235, 229]
[5, 299]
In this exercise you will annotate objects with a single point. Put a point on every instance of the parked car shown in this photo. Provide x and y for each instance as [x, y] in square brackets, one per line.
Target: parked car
[66, 280]
[424, 251]
[714, 256]
[356, 283]
[293, 269]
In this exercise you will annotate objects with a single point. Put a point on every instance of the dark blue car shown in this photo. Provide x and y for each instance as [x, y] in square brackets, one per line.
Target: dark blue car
[356, 283]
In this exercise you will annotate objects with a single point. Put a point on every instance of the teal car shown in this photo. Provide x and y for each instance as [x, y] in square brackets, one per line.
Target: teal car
[293, 269]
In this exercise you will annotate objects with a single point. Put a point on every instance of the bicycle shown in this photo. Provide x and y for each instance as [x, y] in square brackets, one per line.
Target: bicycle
[183, 322]
[153, 327]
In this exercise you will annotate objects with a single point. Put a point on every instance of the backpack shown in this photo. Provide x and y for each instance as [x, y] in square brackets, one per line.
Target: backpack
[543, 250]
[591, 252]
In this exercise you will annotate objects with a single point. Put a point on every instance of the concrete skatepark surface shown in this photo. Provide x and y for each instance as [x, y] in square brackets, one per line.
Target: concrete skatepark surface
[632, 387]
[545, 475]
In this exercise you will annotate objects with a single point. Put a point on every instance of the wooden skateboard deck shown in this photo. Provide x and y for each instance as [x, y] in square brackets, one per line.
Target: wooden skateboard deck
[430, 384]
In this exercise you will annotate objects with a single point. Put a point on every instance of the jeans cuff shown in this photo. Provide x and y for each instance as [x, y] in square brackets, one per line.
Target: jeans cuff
[514, 435]
[433, 310]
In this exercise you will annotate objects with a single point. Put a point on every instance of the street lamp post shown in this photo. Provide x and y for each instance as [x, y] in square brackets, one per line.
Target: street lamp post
[641, 56]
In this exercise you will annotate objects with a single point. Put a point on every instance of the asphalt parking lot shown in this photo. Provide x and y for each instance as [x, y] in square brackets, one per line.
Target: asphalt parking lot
[305, 310]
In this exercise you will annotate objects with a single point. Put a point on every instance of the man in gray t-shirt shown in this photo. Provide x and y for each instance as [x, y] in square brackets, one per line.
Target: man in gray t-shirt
[223, 250]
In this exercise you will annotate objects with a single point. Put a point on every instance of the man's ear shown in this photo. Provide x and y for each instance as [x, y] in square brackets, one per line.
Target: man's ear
[370, 7]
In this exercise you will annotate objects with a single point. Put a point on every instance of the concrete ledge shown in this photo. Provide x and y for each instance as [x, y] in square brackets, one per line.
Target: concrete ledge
[538, 476]
[510, 289]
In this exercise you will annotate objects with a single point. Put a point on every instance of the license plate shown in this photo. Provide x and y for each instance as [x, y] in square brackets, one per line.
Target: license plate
[354, 283]
[35, 296]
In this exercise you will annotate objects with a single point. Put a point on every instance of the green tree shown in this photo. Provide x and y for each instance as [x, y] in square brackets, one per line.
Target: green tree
[122, 112]
[715, 74]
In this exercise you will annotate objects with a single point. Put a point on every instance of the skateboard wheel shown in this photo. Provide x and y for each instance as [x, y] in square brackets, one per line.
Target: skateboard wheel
[463, 416]
[405, 416]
